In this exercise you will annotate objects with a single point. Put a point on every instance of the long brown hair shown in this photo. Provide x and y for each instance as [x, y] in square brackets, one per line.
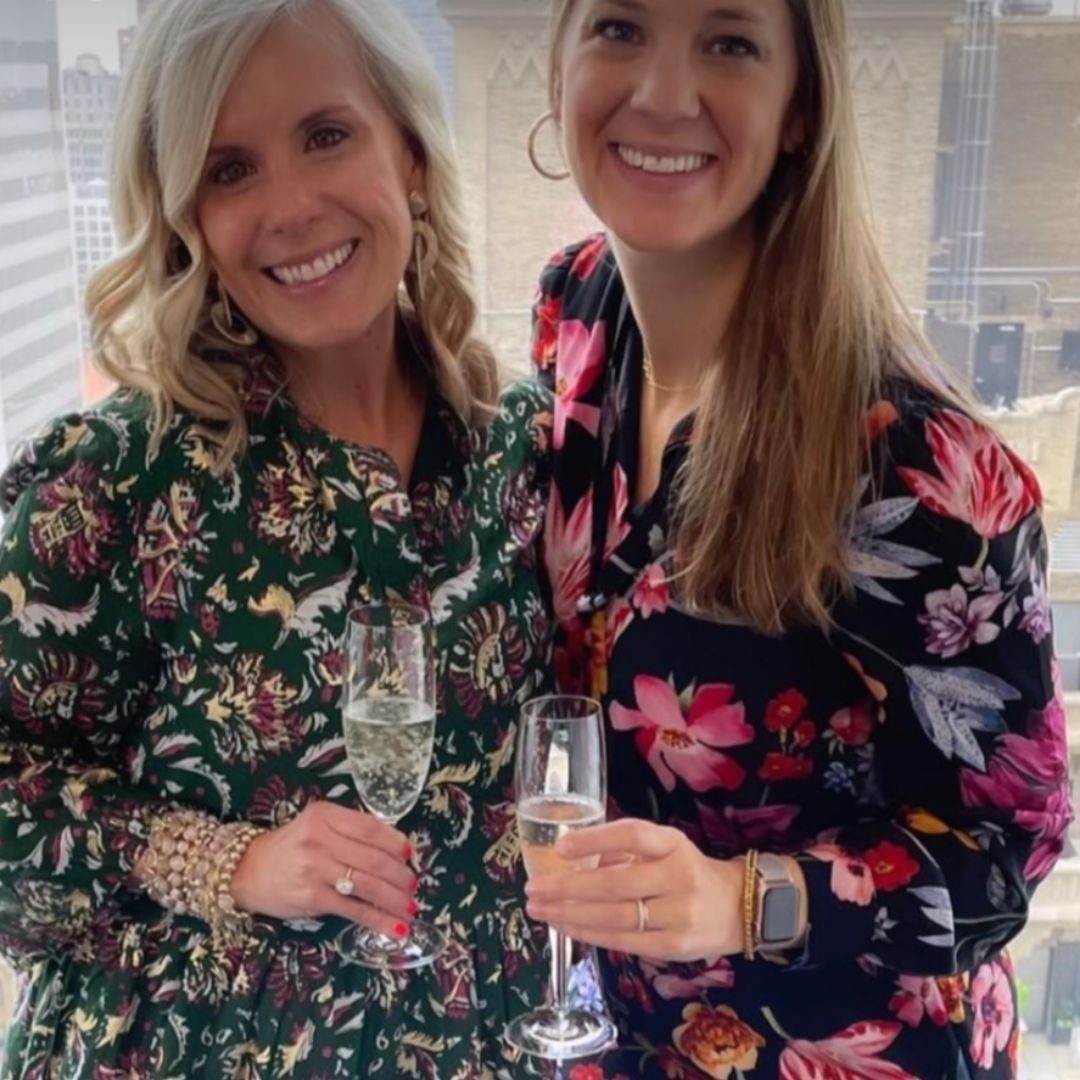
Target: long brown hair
[767, 493]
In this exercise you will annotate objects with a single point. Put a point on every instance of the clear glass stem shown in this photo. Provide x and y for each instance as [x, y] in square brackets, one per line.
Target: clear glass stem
[560, 970]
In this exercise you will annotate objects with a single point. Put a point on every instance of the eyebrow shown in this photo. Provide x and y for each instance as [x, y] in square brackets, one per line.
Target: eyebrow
[312, 118]
[731, 12]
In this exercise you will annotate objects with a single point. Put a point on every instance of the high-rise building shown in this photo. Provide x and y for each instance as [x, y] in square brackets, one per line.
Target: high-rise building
[90, 95]
[40, 373]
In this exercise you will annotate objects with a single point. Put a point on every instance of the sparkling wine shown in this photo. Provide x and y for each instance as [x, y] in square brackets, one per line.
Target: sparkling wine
[389, 743]
[544, 819]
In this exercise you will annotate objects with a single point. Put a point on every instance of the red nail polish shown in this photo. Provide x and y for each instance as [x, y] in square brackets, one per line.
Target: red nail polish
[411, 908]
[400, 930]
[408, 851]
[414, 888]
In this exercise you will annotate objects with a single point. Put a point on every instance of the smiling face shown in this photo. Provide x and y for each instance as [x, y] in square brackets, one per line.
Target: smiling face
[304, 199]
[675, 112]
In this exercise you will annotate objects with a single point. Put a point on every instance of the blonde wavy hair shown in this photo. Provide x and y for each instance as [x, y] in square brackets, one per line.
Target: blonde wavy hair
[767, 495]
[149, 307]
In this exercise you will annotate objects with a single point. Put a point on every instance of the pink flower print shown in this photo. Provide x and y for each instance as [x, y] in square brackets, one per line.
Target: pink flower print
[851, 1054]
[851, 880]
[729, 830]
[581, 354]
[651, 594]
[686, 746]
[1030, 774]
[993, 1014]
[1036, 618]
[672, 981]
[917, 998]
[953, 624]
[568, 545]
[982, 482]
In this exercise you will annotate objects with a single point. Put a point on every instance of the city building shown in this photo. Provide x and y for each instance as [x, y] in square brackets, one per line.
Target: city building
[90, 94]
[40, 374]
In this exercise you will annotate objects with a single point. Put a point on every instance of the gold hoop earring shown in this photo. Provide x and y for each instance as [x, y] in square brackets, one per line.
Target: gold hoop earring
[232, 326]
[534, 160]
[425, 240]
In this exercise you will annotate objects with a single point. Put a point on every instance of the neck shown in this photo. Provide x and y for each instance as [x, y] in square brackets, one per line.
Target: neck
[356, 391]
[683, 303]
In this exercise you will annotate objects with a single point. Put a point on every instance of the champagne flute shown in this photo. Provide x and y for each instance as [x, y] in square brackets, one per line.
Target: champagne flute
[561, 786]
[389, 726]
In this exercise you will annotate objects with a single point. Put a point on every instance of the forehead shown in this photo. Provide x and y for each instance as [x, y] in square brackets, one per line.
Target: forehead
[298, 66]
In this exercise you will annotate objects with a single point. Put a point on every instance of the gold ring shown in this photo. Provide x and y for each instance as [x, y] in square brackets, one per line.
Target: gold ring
[345, 885]
[642, 916]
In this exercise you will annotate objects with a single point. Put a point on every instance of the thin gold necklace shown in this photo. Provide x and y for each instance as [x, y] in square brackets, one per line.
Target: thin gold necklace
[650, 378]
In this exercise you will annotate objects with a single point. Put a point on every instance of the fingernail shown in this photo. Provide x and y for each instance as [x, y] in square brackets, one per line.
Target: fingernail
[400, 930]
[408, 851]
[414, 888]
[411, 908]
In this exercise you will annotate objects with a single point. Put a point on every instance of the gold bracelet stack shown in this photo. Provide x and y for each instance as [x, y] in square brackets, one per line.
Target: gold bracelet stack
[750, 905]
[189, 864]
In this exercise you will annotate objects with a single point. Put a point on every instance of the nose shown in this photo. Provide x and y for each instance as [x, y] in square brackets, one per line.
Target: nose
[667, 87]
[292, 202]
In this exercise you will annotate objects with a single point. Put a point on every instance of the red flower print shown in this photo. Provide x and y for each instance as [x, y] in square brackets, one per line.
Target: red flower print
[982, 482]
[730, 831]
[589, 256]
[568, 545]
[851, 879]
[651, 594]
[782, 767]
[73, 526]
[994, 1014]
[784, 711]
[879, 416]
[917, 998]
[804, 733]
[586, 1072]
[851, 726]
[546, 331]
[686, 746]
[851, 1054]
[580, 360]
[891, 865]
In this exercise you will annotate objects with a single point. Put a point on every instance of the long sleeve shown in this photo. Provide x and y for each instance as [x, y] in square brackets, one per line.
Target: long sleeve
[950, 630]
[75, 667]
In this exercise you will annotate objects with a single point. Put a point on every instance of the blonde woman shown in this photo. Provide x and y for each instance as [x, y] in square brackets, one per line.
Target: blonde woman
[807, 582]
[305, 421]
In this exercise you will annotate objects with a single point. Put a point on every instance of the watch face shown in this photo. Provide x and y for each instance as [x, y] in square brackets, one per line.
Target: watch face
[780, 914]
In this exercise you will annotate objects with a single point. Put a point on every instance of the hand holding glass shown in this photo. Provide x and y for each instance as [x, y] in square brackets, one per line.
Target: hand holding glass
[561, 782]
[389, 724]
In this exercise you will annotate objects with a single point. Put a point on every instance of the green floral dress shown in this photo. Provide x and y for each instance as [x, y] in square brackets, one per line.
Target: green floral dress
[168, 637]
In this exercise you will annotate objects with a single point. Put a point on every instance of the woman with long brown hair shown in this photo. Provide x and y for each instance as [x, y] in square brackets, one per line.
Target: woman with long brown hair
[807, 582]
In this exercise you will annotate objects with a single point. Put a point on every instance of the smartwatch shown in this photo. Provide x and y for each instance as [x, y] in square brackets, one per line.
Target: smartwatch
[779, 906]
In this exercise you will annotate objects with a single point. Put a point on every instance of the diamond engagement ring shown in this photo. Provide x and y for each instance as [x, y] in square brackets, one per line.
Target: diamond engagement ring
[345, 885]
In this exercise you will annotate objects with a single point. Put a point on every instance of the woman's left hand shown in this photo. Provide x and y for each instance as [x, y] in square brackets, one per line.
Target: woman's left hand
[693, 904]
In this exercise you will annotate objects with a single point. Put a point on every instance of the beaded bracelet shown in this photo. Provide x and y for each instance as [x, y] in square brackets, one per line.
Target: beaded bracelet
[750, 905]
[188, 867]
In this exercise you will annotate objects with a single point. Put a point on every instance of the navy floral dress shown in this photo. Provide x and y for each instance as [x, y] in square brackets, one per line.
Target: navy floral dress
[171, 637]
[913, 760]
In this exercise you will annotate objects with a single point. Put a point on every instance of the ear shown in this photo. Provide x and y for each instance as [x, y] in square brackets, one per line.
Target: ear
[415, 165]
[794, 137]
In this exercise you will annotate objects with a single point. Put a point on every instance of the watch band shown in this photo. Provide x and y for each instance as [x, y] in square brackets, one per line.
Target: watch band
[778, 921]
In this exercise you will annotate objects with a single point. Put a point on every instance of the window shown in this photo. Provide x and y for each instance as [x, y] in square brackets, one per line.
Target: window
[969, 117]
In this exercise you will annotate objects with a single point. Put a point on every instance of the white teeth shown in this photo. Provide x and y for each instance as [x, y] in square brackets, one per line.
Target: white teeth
[314, 271]
[653, 163]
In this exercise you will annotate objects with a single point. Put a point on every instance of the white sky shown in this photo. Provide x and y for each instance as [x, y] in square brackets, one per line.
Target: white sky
[93, 25]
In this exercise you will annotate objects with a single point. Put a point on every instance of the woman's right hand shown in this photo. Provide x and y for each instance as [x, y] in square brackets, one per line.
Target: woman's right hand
[289, 872]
